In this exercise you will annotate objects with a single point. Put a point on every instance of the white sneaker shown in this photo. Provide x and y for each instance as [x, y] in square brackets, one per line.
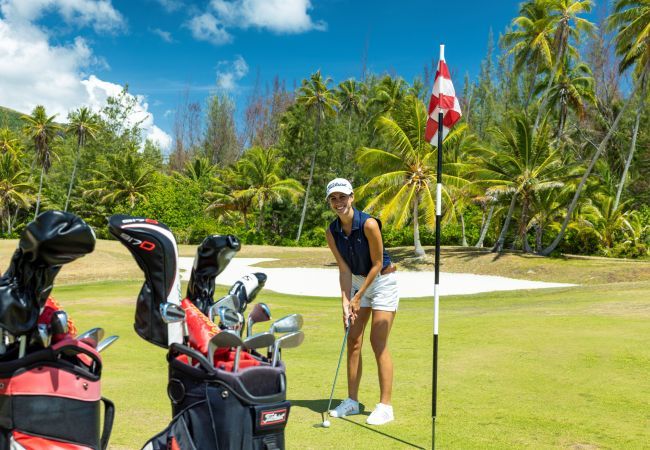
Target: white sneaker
[348, 407]
[381, 415]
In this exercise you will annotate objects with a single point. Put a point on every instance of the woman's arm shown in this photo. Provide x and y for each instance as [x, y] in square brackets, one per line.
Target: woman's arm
[373, 234]
[345, 277]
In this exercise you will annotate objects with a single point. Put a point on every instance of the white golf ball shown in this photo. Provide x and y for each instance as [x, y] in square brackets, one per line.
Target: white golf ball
[326, 424]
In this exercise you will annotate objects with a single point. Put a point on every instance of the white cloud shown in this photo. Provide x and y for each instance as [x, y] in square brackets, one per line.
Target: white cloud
[35, 72]
[206, 27]
[99, 14]
[162, 34]
[230, 72]
[280, 16]
[171, 5]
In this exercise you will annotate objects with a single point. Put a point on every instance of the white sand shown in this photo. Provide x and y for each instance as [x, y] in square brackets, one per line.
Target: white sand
[324, 282]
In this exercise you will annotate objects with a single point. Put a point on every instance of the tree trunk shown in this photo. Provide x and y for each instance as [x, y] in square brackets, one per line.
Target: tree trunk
[630, 156]
[260, 219]
[462, 229]
[419, 251]
[74, 171]
[311, 178]
[485, 228]
[498, 247]
[599, 150]
[538, 238]
[531, 88]
[38, 198]
[523, 228]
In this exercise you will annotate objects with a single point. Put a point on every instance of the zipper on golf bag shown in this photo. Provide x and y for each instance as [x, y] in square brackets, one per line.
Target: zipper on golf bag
[50, 400]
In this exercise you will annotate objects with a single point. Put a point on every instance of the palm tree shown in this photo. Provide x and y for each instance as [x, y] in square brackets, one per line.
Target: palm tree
[567, 25]
[263, 169]
[14, 188]
[404, 173]
[530, 41]
[125, 180]
[222, 199]
[84, 124]
[349, 97]
[386, 96]
[319, 101]
[9, 143]
[520, 165]
[41, 131]
[606, 221]
[572, 90]
[631, 18]
[638, 46]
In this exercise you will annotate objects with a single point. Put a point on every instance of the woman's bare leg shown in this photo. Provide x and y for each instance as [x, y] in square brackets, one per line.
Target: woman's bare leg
[382, 321]
[355, 342]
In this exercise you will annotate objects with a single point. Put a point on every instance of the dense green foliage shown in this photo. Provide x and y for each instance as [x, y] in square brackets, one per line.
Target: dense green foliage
[551, 154]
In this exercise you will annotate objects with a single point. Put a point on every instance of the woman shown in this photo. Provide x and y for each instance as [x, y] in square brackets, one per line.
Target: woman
[368, 292]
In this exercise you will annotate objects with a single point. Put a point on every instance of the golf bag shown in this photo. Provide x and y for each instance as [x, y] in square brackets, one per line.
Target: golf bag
[153, 246]
[50, 399]
[212, 257]
[216, 409]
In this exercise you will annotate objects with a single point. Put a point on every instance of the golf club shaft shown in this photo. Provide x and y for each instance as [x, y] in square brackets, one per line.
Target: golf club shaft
[345, 339]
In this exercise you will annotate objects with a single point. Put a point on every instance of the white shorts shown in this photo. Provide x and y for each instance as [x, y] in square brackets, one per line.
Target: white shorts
[381, 294]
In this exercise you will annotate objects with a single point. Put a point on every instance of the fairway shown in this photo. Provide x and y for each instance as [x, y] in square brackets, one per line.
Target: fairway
[560, 368]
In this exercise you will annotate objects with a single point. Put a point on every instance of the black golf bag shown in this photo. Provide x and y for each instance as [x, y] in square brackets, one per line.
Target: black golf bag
[51, 400]
[216, 409]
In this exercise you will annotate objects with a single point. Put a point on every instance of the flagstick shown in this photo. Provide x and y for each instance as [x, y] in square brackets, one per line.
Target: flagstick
[436, 300]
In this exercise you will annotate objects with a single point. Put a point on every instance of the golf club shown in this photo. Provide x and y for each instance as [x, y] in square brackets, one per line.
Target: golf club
[289, 340]
[259, 340]
[287, 324]
[259, 313]
[224, 339]
[94, 334]
[228, 318]
[59, 323]
[326, 423]
[229, 301]
[106, 342]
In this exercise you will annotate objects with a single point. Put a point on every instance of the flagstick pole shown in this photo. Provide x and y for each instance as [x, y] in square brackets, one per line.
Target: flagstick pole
[436, 298]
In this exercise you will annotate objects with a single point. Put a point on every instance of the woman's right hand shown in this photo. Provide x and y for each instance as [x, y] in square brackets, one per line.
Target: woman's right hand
[348, 317]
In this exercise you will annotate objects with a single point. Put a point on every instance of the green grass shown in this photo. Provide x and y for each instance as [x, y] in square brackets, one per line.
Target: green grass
[560, 368]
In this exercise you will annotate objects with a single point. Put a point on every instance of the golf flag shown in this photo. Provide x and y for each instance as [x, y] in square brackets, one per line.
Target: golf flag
[443, 100]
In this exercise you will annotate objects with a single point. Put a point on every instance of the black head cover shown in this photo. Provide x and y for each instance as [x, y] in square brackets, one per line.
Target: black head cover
[153, 246]
[212, 257]
[247, 287]
[54, 238]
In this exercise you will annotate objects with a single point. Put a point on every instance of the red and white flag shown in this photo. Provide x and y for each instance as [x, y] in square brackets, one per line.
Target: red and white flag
[443, 99]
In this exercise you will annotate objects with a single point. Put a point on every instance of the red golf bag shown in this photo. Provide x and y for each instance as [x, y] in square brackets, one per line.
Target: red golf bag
[50, 400]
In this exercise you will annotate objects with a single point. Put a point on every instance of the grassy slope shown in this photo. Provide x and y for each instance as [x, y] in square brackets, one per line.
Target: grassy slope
[553, 368]
[10, 119]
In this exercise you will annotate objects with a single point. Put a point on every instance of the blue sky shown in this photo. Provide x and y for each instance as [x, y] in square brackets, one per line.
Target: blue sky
[64, 54]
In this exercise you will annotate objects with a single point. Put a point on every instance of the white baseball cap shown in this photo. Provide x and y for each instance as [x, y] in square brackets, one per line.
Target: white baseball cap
[338, 185]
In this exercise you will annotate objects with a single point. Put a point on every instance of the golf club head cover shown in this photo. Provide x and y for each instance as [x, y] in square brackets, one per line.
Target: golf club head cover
[212, 257]
[54, 238]
[247, 287]
[153, 246]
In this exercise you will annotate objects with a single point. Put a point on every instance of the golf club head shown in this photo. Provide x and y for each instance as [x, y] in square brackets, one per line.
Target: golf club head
[228, 318]
[94, 334]
[259, 340]
[229, 301]
[153, 246]
[106, 343]
[260, 313]
[226, 339]
[59, 323]
[287, 324]
[289, 340]
[247, 288]
[212, 257]
[54, 238]
[171, 313]
[44, 335]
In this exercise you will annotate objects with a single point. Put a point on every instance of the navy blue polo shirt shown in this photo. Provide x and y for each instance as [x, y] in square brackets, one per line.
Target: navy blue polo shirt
[354, 248]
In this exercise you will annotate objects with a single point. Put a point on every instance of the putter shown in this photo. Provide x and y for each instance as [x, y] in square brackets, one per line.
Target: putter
[94, 334]
[225, 339]
[259, 340]
[289, 340]
[259, 313]
[329, 404]
[106, 343]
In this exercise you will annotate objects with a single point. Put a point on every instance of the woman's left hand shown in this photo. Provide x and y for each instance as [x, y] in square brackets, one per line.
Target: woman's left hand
[355, 306]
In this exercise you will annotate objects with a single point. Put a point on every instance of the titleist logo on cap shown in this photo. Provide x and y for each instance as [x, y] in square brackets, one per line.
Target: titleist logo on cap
[339, 185]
